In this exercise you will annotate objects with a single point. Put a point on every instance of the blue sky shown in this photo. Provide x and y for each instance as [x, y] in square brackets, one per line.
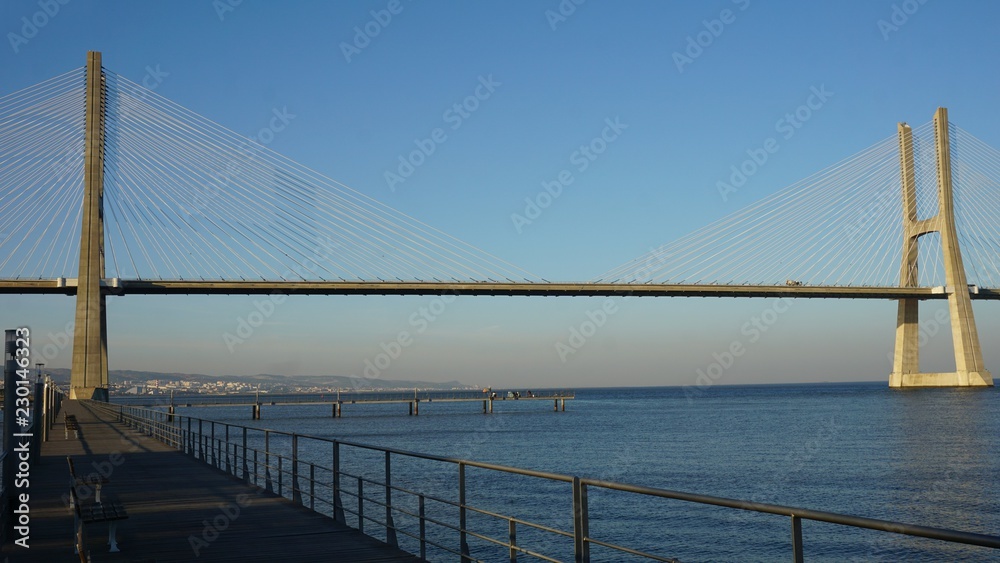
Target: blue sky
[559, 70]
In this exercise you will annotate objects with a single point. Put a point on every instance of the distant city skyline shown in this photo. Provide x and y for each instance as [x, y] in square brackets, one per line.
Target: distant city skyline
[566, 139]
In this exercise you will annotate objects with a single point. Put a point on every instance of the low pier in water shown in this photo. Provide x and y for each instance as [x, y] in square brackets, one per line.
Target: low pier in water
[337, 399]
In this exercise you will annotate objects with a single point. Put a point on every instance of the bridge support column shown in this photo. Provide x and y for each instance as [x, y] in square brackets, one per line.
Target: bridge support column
[255, 414]
[969, 368]
[89, 373]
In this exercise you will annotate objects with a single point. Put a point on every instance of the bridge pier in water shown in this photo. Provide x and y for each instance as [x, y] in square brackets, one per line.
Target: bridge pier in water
[969, 368]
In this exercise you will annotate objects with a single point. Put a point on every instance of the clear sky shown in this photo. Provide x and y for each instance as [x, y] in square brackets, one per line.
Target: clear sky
[364, 80]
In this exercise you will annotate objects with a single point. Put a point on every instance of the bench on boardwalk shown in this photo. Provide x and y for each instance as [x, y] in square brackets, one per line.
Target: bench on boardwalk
[97, 511]
[72, 424]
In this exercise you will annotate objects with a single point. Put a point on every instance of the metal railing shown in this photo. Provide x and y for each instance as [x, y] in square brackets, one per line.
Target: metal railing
[288, 472]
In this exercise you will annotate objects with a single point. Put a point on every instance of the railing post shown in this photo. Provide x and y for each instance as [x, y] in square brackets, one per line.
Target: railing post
[36, 421]
[512, 539]
[423, 528]
[268, 484]
[361, 505]
[229, 466]
[48, 408]
[312, 486]
[201, 441]
[190, 439]
[296, 493]
[338, 507]
[797, 539]
[390, 526]
[246, 471]
[463, 544]
[581, 522]
[178, 434]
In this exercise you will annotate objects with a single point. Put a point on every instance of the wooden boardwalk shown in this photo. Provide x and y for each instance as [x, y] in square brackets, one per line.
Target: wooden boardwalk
[170, 499]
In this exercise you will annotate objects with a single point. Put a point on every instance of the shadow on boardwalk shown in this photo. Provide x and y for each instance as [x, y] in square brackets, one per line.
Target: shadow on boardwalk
[179, 509]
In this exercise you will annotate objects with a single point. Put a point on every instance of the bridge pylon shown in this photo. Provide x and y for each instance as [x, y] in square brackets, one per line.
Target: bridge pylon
[969, 368]
[89, 371]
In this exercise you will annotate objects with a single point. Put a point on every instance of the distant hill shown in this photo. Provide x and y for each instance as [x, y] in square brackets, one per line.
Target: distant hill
[334, 381]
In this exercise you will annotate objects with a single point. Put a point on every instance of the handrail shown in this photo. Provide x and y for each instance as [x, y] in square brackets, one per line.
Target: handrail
[171, 429]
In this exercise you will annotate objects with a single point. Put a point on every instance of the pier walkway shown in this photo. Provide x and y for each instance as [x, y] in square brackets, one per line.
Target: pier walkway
[179, 509]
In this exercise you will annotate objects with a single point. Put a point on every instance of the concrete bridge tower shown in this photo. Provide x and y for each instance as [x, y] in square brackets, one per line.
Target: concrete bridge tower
[969, 368]
[89, 372]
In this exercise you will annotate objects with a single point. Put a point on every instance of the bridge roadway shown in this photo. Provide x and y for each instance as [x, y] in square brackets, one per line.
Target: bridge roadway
[200, 287]
[169, 498]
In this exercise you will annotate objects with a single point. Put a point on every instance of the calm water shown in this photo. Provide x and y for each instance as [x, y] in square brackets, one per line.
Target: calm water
[926, 457]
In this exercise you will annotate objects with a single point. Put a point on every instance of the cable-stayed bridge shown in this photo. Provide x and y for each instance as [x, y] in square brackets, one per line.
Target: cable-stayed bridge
[107, 188]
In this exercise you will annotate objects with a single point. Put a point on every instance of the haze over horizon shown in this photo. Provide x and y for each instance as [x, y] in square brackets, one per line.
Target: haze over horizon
[352, 89]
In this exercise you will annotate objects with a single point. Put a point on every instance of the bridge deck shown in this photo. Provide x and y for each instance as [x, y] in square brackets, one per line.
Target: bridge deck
[169, 497]
[547, 289]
